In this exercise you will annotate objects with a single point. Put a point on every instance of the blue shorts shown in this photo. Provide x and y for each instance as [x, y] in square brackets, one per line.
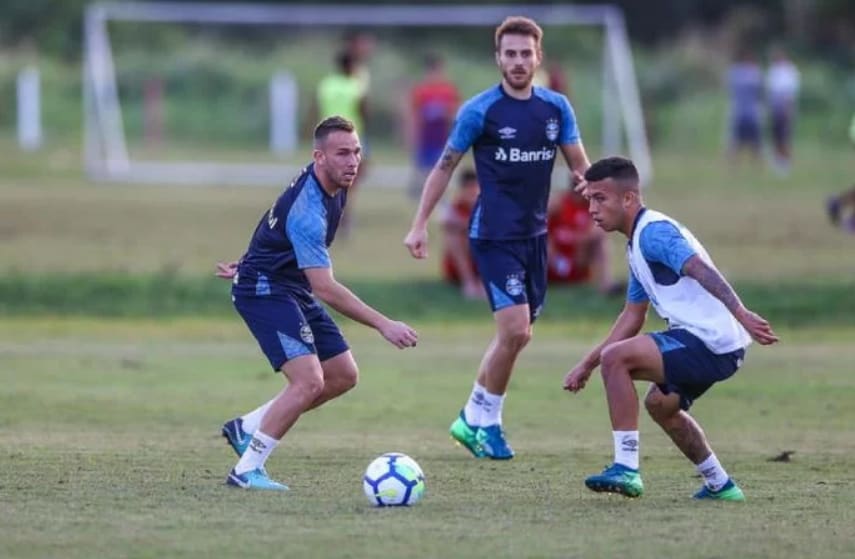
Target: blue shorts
[513, 272]
[690, 367]
[285, 329]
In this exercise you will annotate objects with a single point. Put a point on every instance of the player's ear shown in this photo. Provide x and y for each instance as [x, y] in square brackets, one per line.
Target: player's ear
[498, 59]
[317, 156]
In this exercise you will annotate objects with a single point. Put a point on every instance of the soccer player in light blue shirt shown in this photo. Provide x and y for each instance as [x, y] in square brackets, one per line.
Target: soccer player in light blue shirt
[515, 131]
[274, 289]
[708, 329]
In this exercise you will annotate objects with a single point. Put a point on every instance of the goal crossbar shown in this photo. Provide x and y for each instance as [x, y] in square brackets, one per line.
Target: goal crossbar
[105, 150]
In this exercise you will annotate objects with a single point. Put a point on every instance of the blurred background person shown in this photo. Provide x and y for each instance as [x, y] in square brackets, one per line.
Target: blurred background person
[428, 117]
[841, 210]
[745, 89]
[361, 47]
[344, 93]
[458, 266]
[577, 250]
[782, 88]
[841, 207]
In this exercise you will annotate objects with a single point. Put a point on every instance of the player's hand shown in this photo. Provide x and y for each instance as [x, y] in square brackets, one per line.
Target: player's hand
[226, 270]
[578, 182]
[417, 242]
[399, 334]
[578, 376]
[758, 327]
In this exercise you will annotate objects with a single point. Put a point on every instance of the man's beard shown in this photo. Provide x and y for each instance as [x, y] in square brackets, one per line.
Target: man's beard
[511, 80]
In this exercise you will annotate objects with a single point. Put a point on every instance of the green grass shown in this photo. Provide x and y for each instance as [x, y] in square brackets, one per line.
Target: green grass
[120, 358]
[109, 447]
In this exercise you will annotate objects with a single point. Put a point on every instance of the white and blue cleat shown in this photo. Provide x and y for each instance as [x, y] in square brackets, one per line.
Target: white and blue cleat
[255, 479]
[234, 434]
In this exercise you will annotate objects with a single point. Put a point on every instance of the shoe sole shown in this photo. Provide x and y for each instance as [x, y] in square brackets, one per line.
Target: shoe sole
[608, 487]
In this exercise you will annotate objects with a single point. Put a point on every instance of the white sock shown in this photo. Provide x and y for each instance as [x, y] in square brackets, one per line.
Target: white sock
[474, 407]
[492, 414]
[252, 420]
[714, 475]
[626, 448]
[256, 453]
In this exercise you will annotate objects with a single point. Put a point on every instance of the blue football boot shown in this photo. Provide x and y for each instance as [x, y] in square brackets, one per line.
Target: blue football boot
[255, 479]
[492, 441]
[617, 478]
[234, 434]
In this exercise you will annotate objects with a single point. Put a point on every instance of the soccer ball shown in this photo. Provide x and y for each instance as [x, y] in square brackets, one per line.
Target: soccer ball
[393, 480]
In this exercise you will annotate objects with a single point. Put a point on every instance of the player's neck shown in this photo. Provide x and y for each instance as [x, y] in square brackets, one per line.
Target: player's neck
[628, 225]
[521, 94]
[327, 185]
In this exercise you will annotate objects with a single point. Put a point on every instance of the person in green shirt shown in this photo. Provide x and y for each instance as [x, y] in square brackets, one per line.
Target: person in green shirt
[344, 93]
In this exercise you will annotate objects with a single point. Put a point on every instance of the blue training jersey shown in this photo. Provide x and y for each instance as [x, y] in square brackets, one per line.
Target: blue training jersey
[294, 234]
[514, 144]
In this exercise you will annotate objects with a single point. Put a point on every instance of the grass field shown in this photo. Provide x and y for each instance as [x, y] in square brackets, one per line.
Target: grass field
[109, 447]
[109, 425]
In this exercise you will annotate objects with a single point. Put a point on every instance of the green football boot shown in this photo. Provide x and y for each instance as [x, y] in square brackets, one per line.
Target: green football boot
[728, 492]
[464, 434]
[617, 478]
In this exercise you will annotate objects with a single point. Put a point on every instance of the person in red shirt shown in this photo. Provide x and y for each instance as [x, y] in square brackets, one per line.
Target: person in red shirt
[433, 103]
[577, 250]
[458, 266]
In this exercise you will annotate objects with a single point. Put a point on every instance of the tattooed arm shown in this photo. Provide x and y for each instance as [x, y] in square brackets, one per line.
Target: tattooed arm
[711, 280]
[435, 185]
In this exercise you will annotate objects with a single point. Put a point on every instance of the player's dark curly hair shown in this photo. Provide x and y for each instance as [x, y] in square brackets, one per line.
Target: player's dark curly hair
[615, 167]
[330, 125]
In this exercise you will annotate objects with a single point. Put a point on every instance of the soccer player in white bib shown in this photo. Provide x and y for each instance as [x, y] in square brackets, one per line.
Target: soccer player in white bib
[708, 331]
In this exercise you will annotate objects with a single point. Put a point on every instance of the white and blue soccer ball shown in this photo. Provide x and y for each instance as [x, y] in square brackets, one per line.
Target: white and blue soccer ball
[393, 480]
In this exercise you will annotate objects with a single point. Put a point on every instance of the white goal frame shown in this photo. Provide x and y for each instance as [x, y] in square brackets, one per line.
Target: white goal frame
[106, 154]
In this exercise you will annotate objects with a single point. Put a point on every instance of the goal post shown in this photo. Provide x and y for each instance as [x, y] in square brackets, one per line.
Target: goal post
[106, 152]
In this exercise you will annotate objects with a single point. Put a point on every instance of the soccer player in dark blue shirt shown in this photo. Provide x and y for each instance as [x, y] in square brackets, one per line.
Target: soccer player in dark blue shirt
[274, 289]
[515, 131]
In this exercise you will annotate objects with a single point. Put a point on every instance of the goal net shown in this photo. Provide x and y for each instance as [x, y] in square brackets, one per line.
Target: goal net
[211, 94]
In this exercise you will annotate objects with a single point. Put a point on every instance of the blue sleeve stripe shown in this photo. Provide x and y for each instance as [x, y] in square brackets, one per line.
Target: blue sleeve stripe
[569, 128]
[470, 120]
[306, 227]
[661, 241]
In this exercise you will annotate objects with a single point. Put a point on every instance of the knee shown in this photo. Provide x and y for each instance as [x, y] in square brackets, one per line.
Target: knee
[518, 337]
[310, 386]
[611, 359]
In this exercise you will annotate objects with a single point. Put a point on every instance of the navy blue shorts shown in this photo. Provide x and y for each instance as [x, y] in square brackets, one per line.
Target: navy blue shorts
[513, 272]
[285, 329]
[746, 131]
[690, 367]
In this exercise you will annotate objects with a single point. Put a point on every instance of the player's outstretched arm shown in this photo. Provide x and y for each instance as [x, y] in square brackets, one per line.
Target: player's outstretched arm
[327, 289]
[711, 280]
[417, 238]
[627, 325]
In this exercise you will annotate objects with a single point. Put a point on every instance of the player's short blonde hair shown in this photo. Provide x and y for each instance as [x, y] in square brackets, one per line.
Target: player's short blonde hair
[519, 25]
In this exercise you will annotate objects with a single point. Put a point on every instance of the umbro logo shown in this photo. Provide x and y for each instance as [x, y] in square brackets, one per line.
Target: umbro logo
[507, 133]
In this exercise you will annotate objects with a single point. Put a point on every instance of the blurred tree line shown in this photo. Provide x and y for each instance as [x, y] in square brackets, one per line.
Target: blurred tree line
[823, 26]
